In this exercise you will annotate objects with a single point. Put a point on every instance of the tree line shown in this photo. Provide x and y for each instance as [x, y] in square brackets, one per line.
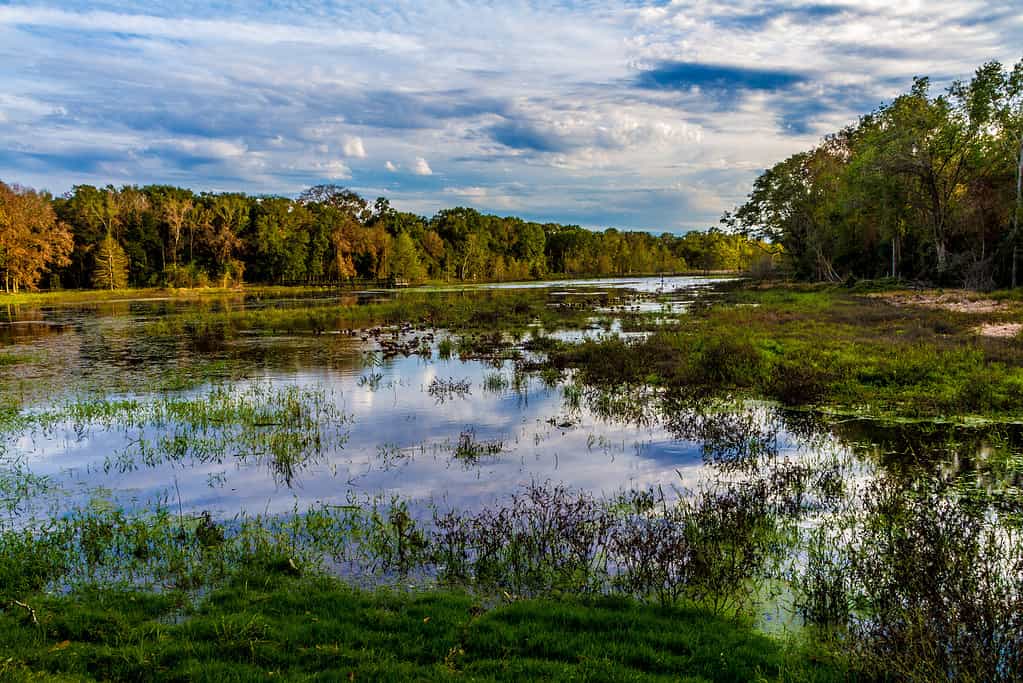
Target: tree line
[925, 187]
[169, 236]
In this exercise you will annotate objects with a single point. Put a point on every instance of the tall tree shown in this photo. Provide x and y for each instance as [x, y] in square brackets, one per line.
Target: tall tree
[403, 261]
[227, 219]
[111, 269]
[280, 240]
[176, 212]
[32, 239]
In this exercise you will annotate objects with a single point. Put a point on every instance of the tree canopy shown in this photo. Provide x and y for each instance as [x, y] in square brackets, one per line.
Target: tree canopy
[32, 240]
[157, 235]
[925, 187]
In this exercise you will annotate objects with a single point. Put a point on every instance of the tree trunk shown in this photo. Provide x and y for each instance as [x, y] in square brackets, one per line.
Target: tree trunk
[939, 247]
[1015, 255]
[1016, 214]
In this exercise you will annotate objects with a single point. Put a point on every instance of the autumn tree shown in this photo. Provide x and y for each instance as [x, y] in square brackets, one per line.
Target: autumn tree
[32, 239]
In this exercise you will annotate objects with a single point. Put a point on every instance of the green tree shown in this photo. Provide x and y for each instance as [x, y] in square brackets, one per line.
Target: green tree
[280, 240]
[404, 262]
[227, 219]
[111, 269]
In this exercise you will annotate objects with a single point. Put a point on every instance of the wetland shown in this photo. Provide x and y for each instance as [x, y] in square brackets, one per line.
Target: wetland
[828, 478]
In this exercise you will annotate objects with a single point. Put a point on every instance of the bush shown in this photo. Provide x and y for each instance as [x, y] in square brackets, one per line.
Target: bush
[726, 359]
[801, 381]
[185, 276]
[926, 585]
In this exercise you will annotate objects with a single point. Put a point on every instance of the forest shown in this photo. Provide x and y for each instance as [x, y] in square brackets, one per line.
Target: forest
[924, 188]
[111, 238]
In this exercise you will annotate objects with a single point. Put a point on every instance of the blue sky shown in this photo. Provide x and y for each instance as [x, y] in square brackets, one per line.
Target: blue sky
[647, 115]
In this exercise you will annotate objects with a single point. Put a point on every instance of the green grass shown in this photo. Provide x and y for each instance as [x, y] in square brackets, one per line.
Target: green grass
[823, 347]
[462, 311]
[269, 626]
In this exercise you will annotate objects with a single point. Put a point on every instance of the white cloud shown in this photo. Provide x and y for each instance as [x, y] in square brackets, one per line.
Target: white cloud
[485, 197]
[354, 148]
[333, 170]
[190, 29]
[391, 167]
[422, 167]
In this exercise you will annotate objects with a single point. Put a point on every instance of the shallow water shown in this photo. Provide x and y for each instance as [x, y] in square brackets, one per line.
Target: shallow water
[402, 426]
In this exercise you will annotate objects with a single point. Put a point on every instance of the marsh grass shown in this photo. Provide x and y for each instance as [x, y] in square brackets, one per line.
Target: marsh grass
[448, 389]
[481, 312]
[284, 427]
[495, 383]
[267, 623]
[922, 583]
[470, 450]
[820, 347]
[718, 549]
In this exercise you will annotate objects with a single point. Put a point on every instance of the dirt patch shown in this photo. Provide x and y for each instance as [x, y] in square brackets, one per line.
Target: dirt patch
[958, 302]
[1000, 330]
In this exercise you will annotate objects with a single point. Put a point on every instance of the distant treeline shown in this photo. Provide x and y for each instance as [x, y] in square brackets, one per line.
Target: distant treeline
[160, 235]
[925, 188]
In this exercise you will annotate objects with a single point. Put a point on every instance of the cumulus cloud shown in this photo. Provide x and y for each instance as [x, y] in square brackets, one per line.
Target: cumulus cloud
[421, 167]
[354, 148]
[333, 170]
[391, 167]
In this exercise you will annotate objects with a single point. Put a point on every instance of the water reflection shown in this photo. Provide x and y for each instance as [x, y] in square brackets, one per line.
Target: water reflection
[441, 431]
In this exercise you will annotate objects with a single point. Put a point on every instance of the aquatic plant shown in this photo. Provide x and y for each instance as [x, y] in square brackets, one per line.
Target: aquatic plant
[443, 390]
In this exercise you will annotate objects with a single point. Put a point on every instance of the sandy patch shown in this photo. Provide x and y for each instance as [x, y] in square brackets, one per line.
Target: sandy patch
[959, 302]
[1001, 330]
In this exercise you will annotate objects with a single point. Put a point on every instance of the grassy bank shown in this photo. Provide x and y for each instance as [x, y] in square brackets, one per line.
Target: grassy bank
[830, 348]
[91, 296]
[268, 625]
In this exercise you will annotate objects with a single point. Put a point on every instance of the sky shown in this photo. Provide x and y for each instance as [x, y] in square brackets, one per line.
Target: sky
[638, 115]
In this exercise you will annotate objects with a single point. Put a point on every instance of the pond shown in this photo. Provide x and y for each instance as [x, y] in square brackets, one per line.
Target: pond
[108, 407]
[443, 431]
